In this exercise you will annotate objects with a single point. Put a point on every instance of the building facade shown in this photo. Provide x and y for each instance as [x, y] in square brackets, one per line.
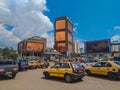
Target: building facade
[76, 47]
[63, 35]
[32, 46]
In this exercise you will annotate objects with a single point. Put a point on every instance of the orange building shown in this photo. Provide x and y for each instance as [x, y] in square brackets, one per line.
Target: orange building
[32, 46]
[63, 35]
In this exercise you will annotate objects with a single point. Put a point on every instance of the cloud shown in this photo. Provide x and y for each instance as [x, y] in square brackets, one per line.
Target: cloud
[50, 39]
[115, 38]
[7, 38]
[117, 28]
[26, 16]
[75, 27]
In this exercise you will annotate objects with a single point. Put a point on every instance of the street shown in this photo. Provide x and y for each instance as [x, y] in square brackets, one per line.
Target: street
[34, 80]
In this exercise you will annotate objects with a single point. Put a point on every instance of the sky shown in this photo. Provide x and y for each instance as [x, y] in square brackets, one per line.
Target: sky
[92, 19]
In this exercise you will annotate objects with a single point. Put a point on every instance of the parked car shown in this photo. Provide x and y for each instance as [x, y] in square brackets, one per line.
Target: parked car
[111, 69]
[67, 70]
[39, 63]
[32, 64]
[8, 68]
[89, 62]
[22, 64]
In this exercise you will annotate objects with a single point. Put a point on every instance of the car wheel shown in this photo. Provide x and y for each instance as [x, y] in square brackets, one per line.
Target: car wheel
[88, 72]
[68, 78]
[26, 69]
[80, 79]
[13, 76]
[47, 76]
[112, 76]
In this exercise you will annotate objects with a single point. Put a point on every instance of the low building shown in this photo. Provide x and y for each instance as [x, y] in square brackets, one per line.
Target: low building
[33, 46]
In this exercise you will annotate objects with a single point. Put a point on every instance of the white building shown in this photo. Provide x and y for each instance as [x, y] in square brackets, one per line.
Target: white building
[76, 47]
[115, 48]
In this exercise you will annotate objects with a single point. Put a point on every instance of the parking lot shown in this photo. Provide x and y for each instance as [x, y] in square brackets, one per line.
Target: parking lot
[34, 80]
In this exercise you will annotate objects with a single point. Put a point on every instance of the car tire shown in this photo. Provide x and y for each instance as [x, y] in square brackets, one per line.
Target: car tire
[79, 79]
[68, 78]
[13, 76]
[88, 72]
[47, 76]
[112, 76]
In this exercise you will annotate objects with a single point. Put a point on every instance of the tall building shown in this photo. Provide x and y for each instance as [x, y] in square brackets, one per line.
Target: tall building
[63, 35]
[32, 46]
[76, 47]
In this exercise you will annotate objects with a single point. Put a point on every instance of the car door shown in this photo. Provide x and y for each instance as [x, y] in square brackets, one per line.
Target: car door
[65, 67]
[105, 68]
[96, 68]
[54, 70]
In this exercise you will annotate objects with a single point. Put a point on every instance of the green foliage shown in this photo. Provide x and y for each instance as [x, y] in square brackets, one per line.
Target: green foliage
[8, 53]
[75, 55]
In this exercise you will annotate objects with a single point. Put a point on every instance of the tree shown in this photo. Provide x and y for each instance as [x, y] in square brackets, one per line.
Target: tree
[6, 52]
[9, 53]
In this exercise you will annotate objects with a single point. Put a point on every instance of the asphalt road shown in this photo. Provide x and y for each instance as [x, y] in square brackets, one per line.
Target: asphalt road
[34, 80]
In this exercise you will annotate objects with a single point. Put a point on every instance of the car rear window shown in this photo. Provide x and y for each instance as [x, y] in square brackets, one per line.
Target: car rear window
[118, 63]
[23, 61]
[6, 62]
[90, 61]
[76, 66]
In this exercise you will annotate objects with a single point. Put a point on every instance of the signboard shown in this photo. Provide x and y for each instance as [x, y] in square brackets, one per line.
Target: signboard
[100, 46]
[60, 24]
[33, 46]
[60, 36]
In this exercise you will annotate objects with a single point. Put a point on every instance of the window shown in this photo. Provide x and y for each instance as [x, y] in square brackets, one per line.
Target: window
[65, 65]
[118, 63]
[56, 65]
[108, 65]
[76, 66]
[97, 65]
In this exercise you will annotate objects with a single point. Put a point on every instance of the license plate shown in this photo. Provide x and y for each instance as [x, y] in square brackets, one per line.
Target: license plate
[8, 73]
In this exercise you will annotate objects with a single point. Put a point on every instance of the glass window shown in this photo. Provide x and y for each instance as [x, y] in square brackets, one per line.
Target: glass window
[6, 62]
[65, 65]
[118, 63]
[76, 66]
[97, 65]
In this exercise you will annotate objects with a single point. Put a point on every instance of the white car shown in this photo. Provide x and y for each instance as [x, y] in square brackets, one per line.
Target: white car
[89, 62]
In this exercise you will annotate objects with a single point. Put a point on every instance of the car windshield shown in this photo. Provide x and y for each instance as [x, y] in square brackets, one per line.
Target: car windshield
[118, 63]
[32, 62]
[90, 61]
[76, 66]
[6, 62]
[23, 61]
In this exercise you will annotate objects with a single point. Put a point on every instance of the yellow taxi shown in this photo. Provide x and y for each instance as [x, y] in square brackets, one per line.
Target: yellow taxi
[40, 64]
[32, 64]
[67, 70]
[106, 68]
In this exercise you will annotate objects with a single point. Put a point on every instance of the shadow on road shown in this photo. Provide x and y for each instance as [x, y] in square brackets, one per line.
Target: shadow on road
[3, 78]
[103, 77]
[61, 80]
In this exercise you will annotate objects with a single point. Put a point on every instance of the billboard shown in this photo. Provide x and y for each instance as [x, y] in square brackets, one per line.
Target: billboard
[60, 24]
[99, 46]
[33, 46]
[60, 36]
